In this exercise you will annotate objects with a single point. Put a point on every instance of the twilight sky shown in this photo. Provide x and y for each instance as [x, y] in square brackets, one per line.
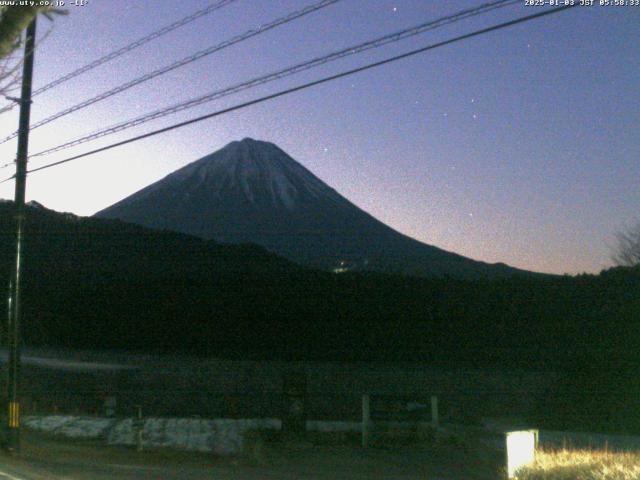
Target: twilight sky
[520, 146]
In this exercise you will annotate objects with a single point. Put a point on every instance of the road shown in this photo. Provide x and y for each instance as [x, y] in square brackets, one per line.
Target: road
[48, 458]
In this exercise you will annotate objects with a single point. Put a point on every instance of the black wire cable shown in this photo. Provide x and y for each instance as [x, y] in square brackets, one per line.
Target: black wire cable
[180, 63]
[305, 86]
[127, 48]
[279, 74]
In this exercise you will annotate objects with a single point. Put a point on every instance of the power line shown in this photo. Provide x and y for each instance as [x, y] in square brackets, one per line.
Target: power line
[305, 86]
[292, 70]
[180, 63]
[127, 48]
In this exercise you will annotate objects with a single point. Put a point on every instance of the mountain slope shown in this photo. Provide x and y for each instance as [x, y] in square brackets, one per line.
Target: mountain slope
[252, 191]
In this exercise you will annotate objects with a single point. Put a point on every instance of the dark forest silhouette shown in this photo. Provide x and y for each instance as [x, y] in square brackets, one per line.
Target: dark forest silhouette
[103, 284]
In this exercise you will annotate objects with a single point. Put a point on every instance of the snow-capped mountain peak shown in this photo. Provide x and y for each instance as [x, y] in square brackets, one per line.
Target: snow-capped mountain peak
[258, 171]
[252, 191]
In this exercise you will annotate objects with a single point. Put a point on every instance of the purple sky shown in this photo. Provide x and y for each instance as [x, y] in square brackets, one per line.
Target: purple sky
[520, 146]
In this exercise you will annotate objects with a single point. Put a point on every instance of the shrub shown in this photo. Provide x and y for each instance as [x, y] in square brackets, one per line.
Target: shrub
[582, 465]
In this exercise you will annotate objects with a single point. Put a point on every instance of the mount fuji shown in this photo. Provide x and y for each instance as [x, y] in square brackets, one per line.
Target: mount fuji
[253, 192]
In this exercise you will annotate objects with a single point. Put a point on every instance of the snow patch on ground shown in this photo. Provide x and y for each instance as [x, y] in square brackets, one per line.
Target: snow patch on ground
[70, 426]
[221, 436]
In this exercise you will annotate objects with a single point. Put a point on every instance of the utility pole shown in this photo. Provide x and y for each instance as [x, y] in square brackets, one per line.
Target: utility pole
[13, 377]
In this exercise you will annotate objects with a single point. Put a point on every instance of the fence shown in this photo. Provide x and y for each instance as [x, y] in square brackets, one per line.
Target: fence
[397, 411]
[318, 392]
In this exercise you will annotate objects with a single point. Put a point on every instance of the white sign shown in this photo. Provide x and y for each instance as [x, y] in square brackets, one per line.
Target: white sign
[521, 450]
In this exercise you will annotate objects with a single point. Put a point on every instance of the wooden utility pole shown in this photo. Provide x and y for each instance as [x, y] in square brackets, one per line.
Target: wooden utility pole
[13, 376]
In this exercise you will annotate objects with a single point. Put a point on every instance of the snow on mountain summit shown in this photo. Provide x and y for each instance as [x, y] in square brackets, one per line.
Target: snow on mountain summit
[258, 171]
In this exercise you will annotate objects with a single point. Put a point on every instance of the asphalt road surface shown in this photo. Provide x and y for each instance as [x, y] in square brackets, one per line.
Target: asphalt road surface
[48, 458]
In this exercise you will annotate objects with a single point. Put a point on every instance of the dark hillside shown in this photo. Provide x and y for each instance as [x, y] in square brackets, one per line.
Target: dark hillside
[95, 283]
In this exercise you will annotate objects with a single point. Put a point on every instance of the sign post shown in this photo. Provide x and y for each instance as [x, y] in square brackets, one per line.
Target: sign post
[366, 420]
[138, 427]
[294, 421]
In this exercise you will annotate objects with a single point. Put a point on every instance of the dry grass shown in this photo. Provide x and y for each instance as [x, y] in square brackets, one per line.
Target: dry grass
[583, 465]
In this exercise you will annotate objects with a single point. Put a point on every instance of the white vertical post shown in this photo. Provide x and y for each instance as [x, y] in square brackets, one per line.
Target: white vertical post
[138, 427]
[434, 411]
[366, 420]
